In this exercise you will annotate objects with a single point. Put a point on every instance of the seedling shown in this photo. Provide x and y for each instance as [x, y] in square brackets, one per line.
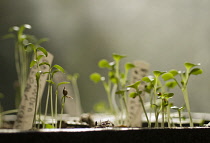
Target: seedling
[116, 81]
[52, 71]
[22, 54]
[164, 104]
[190, 70]
[36, 63]
[138, 93]
[63, 99]
[179, 110]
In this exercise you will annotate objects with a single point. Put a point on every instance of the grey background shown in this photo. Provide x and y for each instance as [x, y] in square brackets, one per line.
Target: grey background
[165, 33]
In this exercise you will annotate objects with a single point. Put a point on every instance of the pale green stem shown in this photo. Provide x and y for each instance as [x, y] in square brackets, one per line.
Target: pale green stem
[180, 119]
[63, 103]
[142, 103]
[185, 93]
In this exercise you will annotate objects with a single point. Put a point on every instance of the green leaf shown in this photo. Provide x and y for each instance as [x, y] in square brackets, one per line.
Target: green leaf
[114, 80]
[167, 76]
[117, 57]
[44, 63]
[33, 63]
[157, 73]
[129, 66]
[50, 81]
[189, 66]
[133, 95]
[171, 84]
[43, 50]
[103, 64]
[174, 72]
[95, 77]
[39, 57]
[59, 68]
[169, 95]
[135, 85]
[147, 79]
[60, 83]
[196, 71]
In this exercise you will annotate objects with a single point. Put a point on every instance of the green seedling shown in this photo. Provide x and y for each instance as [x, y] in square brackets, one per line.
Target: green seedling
[154, 86]
[116, 81]
[164, 104]
[179, 110]
[22, 55]
[190, 70]
[52, 71]
[138, 93]
[36, 63]
[63, 99]
[56, 100]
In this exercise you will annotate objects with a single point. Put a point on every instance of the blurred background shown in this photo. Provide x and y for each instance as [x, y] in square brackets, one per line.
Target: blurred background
[164, 33]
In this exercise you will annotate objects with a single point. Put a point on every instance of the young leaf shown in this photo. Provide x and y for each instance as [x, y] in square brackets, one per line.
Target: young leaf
[157, 73]
[95, 77]
[33, 63]
[147, 79]
[50, 81]
[171, 84]
[174, 72]
[60, 83]
[44, 63]
[196, 71]
[39, 57]
[133, 95]
[169, 95]
[167, 76]
[129, 66]
[59, 68]
[103, 64]
[189, 66]
[135, 85]
[117, 57]
[44, 51]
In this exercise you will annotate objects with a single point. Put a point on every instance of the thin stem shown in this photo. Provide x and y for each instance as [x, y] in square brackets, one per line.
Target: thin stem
[56, 107]
[47, 102]
[142, 103]
[63, 103]
[180, 120]
[168, 113]
[185, 93]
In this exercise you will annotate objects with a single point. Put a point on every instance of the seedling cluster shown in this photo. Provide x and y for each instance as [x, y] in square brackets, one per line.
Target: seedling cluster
[159, 92]
[115, 85]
